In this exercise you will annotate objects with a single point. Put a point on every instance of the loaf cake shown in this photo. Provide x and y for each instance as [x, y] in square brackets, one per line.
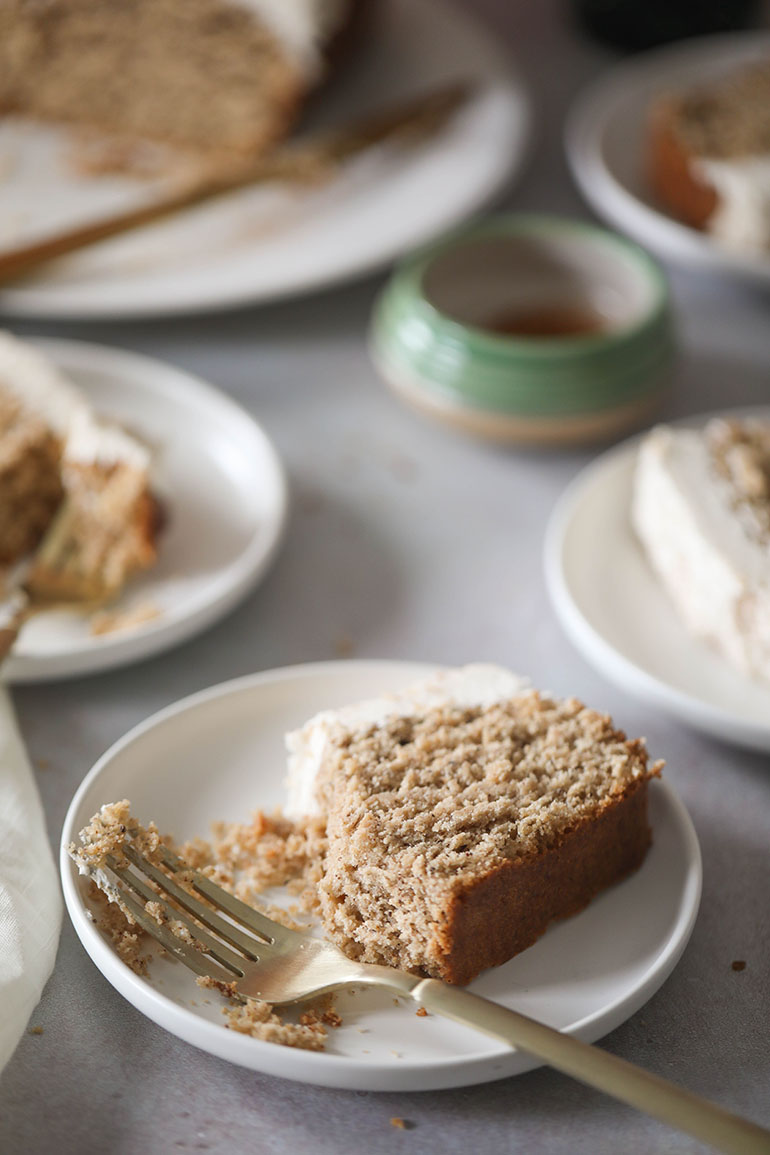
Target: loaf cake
[709, 156]
[701, 509]
[205, 75]
[465, 815]
[75, 498]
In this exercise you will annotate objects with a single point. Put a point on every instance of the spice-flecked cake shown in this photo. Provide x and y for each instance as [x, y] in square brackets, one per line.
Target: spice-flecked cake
[75, 497]
[464, 815]
[204, 75]
[709, 156]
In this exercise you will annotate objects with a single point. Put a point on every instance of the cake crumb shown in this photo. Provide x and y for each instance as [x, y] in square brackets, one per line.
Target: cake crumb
[43, 763]
[739, 964]
[401, 1124]
[343, 646]
[421, 1013]
[35, 1031]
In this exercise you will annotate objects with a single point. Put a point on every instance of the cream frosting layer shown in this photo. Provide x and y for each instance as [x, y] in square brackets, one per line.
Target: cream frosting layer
[467, 686]
[42, 389]
[303, 27]
[716, 572]
[741, 219]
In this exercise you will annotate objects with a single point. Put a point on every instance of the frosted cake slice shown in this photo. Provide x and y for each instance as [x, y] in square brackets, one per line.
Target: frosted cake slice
[701, 508]
[464, 815]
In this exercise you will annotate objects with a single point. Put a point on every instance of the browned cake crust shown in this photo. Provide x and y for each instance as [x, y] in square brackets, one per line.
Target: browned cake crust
[688, 198]
[726, 119]
[510, 908]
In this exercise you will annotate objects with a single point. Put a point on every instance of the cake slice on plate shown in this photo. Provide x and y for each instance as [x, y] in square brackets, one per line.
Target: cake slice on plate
[701, 508]
[75, 497]
[464, 815]
[210, 76]
[709, 156]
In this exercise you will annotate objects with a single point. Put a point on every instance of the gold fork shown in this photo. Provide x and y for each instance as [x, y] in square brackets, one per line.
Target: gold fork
[270, 962]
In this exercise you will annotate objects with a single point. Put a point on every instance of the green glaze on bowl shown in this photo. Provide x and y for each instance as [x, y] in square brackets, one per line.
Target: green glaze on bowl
[428, 331]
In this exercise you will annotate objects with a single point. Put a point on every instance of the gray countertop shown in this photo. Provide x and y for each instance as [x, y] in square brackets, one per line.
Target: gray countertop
[407, 542]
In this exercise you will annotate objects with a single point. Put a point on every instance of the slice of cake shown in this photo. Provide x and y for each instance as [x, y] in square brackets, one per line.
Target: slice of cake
[709, 156]
[105, 528]
[30, 479]
[206, 75]
[463, 816]
[701, 508]
[75, 496]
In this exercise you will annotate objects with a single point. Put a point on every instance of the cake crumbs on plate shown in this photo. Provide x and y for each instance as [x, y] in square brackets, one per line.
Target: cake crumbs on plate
[421, 1013]
[242, 858]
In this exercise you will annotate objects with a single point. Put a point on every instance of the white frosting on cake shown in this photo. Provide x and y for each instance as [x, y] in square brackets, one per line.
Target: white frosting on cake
[467, 686]
[41, 389]
[29, 377]
[716, 572]
[302, 26]
[92, 442]
[741, 219]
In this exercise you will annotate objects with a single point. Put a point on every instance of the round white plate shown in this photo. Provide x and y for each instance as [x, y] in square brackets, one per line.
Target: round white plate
[224, 492]
[586, 975]
[614, 609]
[606, 147]
[262, 244]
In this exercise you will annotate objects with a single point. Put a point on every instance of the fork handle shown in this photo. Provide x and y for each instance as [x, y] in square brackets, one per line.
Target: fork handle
[598, 1068]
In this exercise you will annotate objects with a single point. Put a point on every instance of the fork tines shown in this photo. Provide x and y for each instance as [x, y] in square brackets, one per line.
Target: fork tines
[154, 898]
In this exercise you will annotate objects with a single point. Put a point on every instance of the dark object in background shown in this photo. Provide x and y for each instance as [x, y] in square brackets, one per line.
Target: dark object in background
[634, 25]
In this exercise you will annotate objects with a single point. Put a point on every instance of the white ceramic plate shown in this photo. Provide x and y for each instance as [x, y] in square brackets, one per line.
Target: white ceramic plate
[586, 975]
[223, 488]
[606, 147]
[614, 609]
[262, 244]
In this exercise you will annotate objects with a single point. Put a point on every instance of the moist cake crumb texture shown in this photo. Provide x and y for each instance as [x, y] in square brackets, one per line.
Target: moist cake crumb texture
[439, 825]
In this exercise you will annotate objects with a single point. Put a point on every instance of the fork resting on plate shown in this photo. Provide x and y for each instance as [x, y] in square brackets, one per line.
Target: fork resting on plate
[257, 958]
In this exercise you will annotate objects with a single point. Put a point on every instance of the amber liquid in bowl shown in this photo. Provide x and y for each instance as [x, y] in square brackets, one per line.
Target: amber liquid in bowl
[548, 321]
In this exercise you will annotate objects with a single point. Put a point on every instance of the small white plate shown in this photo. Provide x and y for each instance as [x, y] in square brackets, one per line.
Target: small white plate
[618, 615]
[224, 493]
[606, 144]
[586, 975]
[270, 242]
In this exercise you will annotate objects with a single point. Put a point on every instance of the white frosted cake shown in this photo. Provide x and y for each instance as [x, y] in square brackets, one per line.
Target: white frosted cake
[701, 508]
[467, 686]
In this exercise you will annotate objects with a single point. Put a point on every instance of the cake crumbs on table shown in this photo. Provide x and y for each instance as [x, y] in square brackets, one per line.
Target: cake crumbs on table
[739, 964]
[401, 1124]
[35, 1031]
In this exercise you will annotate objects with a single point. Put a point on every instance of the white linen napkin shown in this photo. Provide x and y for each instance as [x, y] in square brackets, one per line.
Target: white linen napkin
[30, 900]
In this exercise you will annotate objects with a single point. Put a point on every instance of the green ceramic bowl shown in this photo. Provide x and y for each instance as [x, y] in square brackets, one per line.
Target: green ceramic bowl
[453, 330]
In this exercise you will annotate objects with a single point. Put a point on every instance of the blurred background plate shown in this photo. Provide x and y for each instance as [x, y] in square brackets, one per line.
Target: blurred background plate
[615, 610]
[224, 495]
[606, 148]
[270, 242]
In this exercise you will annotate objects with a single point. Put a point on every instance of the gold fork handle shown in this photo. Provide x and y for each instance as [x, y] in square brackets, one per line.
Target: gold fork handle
[641, 1089]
